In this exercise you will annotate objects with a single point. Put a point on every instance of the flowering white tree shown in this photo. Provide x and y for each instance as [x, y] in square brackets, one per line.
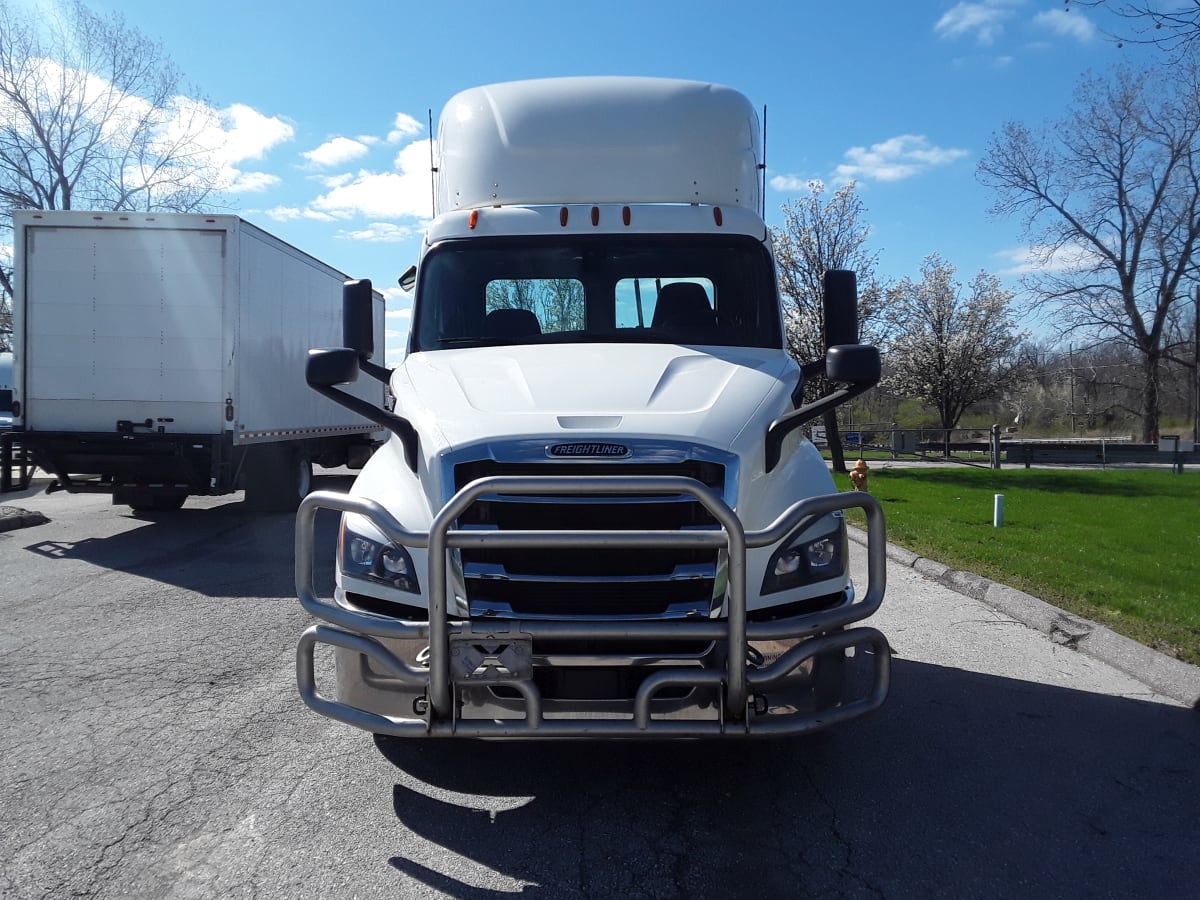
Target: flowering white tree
[951, 348]
[818, 235]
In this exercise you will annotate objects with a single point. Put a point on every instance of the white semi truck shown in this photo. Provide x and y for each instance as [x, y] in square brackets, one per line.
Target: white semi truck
[596, 515]
[159, 356]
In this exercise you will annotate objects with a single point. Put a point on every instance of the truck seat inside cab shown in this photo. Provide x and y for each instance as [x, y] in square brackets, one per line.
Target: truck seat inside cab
[511, 323]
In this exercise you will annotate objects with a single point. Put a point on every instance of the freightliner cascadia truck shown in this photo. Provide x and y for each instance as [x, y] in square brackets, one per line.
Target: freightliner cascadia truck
[161, 355]
[596, 515]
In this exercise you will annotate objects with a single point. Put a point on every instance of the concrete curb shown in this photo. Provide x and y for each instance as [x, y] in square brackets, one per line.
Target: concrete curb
[13, 517]
[1168, 676]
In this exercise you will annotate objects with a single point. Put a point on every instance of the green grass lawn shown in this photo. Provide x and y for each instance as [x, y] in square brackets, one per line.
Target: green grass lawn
[1119, 547]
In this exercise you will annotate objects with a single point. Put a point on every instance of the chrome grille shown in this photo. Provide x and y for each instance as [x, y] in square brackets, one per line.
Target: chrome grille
[620, 582]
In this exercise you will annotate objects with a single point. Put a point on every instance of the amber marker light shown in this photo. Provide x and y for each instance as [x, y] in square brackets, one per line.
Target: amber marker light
[473, 219]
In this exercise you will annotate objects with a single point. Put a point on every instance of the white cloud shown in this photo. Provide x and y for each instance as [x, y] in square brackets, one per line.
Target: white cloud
[895, 159]
[336, 151]
[790, 183]
[283, 213]
[405, 126]
[249, 134]
[381, 232]
[224, 138]
[247, 182]
[336, 181]
[291, 213]
[1068, 24]
[405, 314]
[1046, 260]
[985, 20]
[233, 135]
[404, 193]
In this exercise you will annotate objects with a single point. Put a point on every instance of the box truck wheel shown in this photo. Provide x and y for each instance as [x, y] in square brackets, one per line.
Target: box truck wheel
[158, 502]
[278, 477]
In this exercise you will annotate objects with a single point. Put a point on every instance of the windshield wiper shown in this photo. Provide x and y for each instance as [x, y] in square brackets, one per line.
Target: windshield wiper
[479, 339]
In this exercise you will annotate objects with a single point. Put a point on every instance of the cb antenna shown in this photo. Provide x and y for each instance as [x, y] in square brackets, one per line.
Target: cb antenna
[432, 169]
[763, 165]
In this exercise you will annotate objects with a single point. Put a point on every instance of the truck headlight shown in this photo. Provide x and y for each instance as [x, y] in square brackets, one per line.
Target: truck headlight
[365, 553]
[805, 561]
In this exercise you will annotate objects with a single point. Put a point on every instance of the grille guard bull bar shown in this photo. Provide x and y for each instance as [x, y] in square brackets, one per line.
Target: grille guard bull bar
[736, 684]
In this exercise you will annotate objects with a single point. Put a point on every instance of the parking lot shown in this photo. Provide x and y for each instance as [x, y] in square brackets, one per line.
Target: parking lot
[154, 745]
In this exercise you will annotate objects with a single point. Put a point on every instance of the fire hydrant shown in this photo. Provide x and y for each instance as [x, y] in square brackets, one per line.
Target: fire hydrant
[858, 475]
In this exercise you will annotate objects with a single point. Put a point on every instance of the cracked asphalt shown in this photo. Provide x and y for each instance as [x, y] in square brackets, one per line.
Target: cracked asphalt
[153, 745]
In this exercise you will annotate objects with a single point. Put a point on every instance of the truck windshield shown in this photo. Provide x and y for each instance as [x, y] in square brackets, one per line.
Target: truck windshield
[657, 289]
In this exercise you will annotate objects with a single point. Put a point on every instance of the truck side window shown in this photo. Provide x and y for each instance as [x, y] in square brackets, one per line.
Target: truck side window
[658, 302]
[558, 303]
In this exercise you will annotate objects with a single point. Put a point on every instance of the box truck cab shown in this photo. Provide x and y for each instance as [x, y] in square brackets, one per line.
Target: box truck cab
[6, 389]
[596, 515]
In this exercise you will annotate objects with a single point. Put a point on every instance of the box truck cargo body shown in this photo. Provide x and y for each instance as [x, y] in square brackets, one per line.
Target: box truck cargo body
[163, 355]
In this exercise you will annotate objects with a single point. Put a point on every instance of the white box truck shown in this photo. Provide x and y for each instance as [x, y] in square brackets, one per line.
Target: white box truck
[597, 515]
[162, 355]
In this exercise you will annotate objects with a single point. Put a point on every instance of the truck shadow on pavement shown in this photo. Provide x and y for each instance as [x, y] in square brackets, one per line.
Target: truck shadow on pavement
[223, 550]
[962, 785]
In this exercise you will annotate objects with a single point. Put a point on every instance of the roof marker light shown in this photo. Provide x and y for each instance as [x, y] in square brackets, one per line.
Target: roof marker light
[718, 216]
[473, 219]
[625, 215]
[562, 217]
[595, 216]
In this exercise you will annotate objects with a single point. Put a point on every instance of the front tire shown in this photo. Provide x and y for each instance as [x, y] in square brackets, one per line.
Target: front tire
[829, 679]
[159, 503]
[278, 477]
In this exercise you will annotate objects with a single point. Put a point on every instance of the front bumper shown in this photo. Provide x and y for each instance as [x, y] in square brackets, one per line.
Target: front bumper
[477, 679]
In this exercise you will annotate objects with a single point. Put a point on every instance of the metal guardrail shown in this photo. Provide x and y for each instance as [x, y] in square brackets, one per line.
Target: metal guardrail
[736, 684]
[994, 450]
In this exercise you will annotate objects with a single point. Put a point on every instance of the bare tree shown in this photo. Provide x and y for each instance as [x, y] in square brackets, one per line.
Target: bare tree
[1115, 186]
[951, 348]
[1173, 25]
[92, 116]
[818, 235]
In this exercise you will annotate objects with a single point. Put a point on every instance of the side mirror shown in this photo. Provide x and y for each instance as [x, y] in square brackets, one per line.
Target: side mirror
[326, 368]
[841, 308]
[358, 326]
[853, 364]
[358, 320]
[408, 279]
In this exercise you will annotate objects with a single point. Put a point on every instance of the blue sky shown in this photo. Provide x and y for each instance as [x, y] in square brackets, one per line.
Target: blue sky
[325, 104]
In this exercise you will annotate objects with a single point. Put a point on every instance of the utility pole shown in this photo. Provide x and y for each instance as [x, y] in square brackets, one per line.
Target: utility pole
[1071, 364]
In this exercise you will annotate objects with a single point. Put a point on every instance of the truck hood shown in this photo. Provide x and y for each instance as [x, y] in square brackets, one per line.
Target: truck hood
[660, 390]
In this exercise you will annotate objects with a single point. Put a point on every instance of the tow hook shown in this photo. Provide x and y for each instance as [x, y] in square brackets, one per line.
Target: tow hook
[759, 703]
[420, 706]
